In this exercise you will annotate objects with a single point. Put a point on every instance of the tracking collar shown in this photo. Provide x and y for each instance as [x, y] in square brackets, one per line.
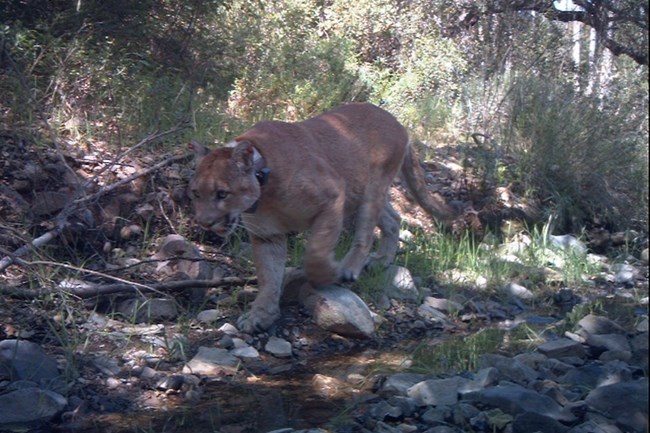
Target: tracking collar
[261, 174]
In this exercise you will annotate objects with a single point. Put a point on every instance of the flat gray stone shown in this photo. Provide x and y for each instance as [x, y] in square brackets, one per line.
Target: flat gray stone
[400, 284]
[609, 342]
[399, 383]
[562, 348]
[29, 405]
[509, 368]
[444, 305]
[528, 422]
[210, 361]
[594, 427]
[25, 360]
[625, 402]
[278, 347]
[593, 324]
[436, 392]
[515, 400]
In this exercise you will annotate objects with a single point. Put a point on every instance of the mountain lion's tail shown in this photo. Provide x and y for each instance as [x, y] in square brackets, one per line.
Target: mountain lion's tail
[414, 176]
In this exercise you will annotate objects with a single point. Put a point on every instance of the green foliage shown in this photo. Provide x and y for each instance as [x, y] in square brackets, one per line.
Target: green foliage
[580, 158]
[461, 354]
[291, 72]
[455, 259]
[116, 71]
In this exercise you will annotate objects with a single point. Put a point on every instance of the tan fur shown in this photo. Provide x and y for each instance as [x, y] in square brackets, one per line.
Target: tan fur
[324, 172]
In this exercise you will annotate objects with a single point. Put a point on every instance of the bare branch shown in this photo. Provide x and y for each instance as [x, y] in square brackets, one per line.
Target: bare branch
[105, 190]
[93, 290]
[600, 15]
[36, 243]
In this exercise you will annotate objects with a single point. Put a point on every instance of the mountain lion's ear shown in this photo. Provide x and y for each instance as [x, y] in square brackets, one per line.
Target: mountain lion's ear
[199, 151]
[243, 155]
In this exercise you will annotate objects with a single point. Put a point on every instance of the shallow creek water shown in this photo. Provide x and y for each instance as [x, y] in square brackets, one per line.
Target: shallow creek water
[287, 393]
[261, 402]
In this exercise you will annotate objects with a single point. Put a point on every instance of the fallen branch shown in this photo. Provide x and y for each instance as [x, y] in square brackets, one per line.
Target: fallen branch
[94, 290]
[113, 186]
[36, 243]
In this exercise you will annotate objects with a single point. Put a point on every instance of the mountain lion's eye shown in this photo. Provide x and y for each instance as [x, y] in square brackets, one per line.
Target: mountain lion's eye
[221, 194]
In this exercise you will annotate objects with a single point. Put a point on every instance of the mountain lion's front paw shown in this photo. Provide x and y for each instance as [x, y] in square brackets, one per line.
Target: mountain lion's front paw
[348, 276]
[257, 319]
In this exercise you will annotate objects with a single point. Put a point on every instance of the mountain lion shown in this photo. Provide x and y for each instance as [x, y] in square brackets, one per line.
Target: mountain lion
[313, 176]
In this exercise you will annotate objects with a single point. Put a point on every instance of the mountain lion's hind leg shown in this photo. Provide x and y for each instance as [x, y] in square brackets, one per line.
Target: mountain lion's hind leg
[389, 224]
[320, 266]
[367, 219]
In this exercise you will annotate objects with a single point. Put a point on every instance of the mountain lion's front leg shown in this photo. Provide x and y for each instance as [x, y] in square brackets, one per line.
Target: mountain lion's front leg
[269, 255]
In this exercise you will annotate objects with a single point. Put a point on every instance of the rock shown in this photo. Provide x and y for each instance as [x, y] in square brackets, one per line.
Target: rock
[399, 383]
[399, 284]
[384, 411]
[130, 231]
[463, 412]
[436, 415]
[615, 355]
[278, 347]
[108, 366]
[211, 361]
[561, 348]
[149, 310]
[173, 382]
[433, 315]
[517, 291]
[442, 429]
[436, 392]
[534, 422]
[586, 376]
[593, 427]
[482, 379]
[568, 243]
[145, 211]
[173, 249]
[509, 368]
[644, 256]
[339, 310]
[24, 360]
[624, 273]
[28, 406]
[626, 403]
[209, 316]
[406, 405]
[228, 329]
[639, 345]
[602, 342]
[290, 430]
[444, 305]
[247, 352]
[515, 400]
[592, 324]
[329, 387]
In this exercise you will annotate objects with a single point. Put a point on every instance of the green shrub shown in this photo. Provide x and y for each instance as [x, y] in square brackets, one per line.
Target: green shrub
[583, 161]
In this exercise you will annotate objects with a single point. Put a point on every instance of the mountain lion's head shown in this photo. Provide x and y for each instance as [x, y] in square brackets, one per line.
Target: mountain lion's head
[223, 186]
